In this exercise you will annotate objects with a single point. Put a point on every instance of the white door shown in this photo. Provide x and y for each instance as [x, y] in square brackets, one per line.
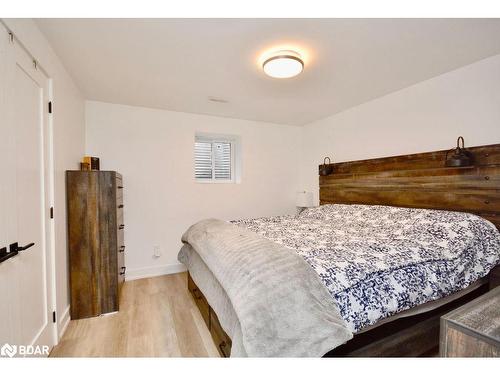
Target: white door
[26, 279]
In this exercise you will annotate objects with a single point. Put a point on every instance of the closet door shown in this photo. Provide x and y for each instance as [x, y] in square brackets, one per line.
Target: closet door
[9, 300]
[26, 277]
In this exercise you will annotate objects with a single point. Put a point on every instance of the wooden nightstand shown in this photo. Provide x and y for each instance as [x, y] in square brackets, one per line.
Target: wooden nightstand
[472, 330]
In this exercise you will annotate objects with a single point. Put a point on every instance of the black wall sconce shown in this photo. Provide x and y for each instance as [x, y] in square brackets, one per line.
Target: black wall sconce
[326, 169]
[461, 157]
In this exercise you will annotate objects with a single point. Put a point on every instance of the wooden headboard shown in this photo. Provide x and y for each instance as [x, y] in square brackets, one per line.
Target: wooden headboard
[419, 180]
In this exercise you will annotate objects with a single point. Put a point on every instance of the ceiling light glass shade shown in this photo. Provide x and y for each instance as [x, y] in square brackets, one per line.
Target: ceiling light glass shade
[284, 64]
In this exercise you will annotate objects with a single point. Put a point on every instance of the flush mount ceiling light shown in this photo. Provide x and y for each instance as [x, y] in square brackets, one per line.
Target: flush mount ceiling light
[283, 64]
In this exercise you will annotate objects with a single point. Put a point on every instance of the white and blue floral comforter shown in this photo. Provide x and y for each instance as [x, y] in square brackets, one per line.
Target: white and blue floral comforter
[377, 261]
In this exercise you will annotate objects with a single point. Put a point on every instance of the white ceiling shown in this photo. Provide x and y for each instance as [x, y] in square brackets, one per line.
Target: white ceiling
[178, 64]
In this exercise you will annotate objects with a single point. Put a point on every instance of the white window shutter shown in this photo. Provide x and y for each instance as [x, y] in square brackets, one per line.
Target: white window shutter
[203, 160]
[213, 159]
[222, 160]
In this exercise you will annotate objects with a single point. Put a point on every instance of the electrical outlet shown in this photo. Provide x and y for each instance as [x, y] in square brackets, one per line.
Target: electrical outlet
[156, 251]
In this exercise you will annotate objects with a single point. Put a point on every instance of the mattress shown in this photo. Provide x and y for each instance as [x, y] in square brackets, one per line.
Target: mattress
[377, 261]
[221, 304]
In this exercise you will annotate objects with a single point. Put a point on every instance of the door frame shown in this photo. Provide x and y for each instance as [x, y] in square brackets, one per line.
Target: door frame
[33, 68]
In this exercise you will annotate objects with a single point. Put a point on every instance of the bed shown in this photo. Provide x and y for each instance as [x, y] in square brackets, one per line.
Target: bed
[387, 243]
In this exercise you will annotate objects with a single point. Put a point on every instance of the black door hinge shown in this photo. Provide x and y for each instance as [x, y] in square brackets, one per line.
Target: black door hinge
[53, 316]
[51, 212]
[50, 107]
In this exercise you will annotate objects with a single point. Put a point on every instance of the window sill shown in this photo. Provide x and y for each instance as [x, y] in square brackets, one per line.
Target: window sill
[215, 181]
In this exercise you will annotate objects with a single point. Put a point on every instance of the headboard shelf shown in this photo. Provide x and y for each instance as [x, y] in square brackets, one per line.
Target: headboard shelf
[483, 155]
[419, 180]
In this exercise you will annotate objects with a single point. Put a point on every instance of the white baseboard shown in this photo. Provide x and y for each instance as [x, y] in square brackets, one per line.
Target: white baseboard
[63, 323]
[141, 273]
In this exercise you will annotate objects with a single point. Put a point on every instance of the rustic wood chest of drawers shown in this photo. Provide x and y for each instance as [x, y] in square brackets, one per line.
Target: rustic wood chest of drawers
[473, 330]
[95, 241]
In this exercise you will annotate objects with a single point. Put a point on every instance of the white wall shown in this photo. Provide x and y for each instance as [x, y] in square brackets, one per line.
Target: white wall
[154, 150]
[69, 138]
[428, 116]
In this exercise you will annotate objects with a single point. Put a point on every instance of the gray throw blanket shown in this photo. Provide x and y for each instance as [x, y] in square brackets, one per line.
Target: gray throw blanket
[283, 308]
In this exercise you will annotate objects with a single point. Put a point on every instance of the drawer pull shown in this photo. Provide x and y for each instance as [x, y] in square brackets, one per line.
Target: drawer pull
[222, 345]
[122, 249]
[123, 271]
[121, 226]
[120, 187]
[120, 206]
[196, 295]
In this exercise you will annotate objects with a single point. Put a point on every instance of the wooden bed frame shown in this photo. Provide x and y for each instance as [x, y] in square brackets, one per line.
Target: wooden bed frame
[416, 180]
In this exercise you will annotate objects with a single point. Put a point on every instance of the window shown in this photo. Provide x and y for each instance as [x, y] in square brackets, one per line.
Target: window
[214, 159]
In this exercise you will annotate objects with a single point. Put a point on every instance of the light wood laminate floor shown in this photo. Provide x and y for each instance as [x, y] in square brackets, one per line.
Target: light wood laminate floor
[157, 318]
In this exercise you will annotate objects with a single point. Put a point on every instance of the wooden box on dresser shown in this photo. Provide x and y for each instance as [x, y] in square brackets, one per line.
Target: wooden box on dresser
[473, 330]
[95, 241]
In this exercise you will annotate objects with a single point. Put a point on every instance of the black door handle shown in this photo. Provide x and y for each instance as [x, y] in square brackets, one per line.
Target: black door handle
[122, 249]
[15, 246]
[4, 255]
[121, 226]
[14, 249]
[26, 246]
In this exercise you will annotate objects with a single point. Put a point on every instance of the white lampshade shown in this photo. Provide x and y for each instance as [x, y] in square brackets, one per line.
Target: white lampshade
[304, 199]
